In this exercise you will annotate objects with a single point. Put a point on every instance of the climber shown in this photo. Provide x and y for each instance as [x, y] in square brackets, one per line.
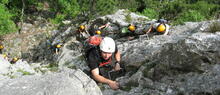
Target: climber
[131, 28]
[14, 60]
[57, 48]
[1, 48]
[159, 27]
[82, 33]
[104, 28]
[5, 56]
[129, 31]
[104, 59]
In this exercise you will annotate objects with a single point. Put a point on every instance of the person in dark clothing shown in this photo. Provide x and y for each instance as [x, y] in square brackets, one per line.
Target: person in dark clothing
[104, 59]
[129, 32]
[159, 27]
[82, 33]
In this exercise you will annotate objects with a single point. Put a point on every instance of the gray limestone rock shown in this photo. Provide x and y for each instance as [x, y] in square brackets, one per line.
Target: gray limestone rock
[66, 82]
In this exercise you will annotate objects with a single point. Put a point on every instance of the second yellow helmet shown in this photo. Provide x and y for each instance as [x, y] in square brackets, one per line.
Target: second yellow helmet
[1, 46]
[98, 32]
[82, 27]
[131, 28]
[15, 59]
[161, 28]
[58, 46]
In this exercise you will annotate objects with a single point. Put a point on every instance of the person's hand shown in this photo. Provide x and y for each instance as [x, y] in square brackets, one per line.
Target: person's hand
[114, 85]
[117, 67]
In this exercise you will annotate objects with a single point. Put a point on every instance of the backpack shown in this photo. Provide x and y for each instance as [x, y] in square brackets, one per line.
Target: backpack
[91, 42]
[162, 21]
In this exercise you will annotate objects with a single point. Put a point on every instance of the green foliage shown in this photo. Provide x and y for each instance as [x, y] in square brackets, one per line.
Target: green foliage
[6, 24]
[94, 8]
[4, 1]
[132, 5]
[182, 10]
[204, 8]
[191, 15]
[85, 5]
[214, 27]
[64, 9]
[58, 18]
[84, 10]
[24, 72]
[172, 9]
[151, 13]
[104, 7]
[69, 7]
[53, 67]
[128, 18]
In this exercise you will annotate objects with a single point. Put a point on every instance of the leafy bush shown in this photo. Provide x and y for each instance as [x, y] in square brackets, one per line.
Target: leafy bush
[172, 9]
[94, 8]
[6, 24]
[64, 9]
[132, 5]
[58, 19]
[204, 8]
[4, 1]
[70, 7]
[104, 7]
[151, 13]
[191, 15]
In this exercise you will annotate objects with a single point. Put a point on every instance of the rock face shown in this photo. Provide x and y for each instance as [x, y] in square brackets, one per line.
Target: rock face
[20, 68]
[4, 65]
[19, 45]
[185, 62]
[67, 82]
[175, 64]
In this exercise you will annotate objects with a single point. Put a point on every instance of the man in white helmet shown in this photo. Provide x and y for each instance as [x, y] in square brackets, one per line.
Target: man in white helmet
[103, 59]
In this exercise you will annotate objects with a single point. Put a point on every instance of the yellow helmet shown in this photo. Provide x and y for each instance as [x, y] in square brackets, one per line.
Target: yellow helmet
[58, 46]
[131, 28]
[82, 27]
[161, 28]
[1, 46]
[15, 59]
[98, 32]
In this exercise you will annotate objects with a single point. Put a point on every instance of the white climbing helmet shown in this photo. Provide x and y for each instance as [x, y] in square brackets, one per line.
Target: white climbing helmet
[107, 45]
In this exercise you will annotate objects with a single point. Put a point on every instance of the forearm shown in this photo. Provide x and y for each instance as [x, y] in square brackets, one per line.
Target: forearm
[103, 26]
[102, 79]
[118, 56]
[149, 30]
[166, 32]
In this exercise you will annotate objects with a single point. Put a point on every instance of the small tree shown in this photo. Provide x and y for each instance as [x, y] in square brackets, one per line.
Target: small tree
[191, 15]
[151, 13]
[6, 24]
[65, 9]
[104, 7]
